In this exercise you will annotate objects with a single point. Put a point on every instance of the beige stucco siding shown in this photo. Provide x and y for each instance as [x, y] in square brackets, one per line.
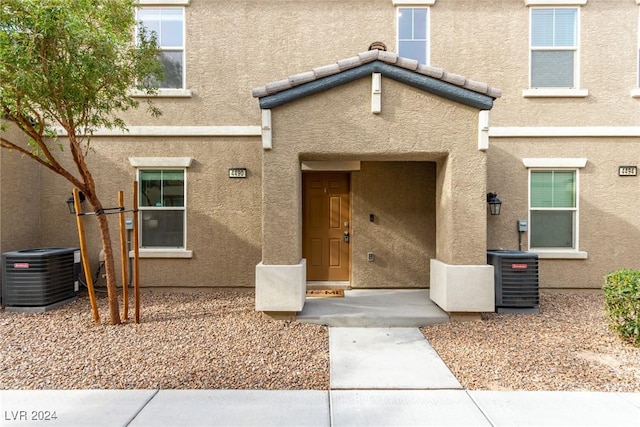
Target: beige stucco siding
[20, 197]
[223, 214]
[608, 204]
[232, 46]
[489, 41]
[402, 235]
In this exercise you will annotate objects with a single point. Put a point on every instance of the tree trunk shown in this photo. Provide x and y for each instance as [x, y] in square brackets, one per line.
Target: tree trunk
[112, 290]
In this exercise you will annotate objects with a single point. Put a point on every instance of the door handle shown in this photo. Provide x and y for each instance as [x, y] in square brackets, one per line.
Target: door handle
[346, 237]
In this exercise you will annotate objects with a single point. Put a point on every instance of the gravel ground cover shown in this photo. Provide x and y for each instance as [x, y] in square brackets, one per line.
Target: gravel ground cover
[212, 340]
[215, 340]
[568, 346]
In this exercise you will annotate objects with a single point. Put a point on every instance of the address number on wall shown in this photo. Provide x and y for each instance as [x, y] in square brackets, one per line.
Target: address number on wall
[237, 172]
[627, 170]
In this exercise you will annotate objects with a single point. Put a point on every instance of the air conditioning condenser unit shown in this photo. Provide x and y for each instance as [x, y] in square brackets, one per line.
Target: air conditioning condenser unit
[38, 280]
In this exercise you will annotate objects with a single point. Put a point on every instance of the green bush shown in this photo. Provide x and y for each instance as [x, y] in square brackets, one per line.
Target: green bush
[622, 303]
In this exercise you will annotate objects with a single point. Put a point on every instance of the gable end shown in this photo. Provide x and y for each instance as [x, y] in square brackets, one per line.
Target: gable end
[429, 84]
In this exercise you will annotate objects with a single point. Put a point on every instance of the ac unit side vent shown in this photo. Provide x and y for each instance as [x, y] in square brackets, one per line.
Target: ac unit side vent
[516, 279]
[39, 277]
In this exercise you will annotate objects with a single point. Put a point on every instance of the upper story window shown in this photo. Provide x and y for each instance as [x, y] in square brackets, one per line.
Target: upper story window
[168, 25]
[413, 33]
[554, 41]
[636, 92]
[554, 47]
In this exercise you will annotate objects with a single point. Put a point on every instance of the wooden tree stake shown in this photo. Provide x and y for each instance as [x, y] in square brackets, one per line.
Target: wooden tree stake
[136, 253]
[85, 258]
[123, 257]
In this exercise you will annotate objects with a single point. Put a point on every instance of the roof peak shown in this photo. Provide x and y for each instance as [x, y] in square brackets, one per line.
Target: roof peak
[371, 56]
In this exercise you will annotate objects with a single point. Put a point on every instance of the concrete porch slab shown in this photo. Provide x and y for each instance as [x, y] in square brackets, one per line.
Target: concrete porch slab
[379, 308]
[386, 358]
[236, 408]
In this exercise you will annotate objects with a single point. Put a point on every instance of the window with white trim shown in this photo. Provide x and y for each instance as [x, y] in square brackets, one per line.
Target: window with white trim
[638, 59]
[162, 208]
[554, 48]
[168, 24]
[553, 209]
[412, 33]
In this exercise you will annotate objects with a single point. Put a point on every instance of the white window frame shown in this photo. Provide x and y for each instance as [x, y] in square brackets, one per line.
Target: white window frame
[635, 92]
[415, 5]
[573, 92]
[163, 163]
[557, 164]
[169, 92]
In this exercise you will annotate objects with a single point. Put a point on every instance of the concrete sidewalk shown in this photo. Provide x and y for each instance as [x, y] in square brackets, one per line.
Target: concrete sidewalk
[317, 408]
[379, 377]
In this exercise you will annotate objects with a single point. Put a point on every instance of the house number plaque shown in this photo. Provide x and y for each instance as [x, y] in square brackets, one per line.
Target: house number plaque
[237, 172]
[627, 170]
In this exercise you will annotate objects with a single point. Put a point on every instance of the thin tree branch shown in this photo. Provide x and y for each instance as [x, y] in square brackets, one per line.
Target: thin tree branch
[5, 143]
[37, 136]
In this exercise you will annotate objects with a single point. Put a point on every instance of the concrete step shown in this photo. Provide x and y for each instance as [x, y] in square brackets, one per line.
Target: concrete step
[380, 308]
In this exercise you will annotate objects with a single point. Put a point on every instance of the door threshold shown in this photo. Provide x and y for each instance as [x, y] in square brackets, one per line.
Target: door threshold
[328, 284]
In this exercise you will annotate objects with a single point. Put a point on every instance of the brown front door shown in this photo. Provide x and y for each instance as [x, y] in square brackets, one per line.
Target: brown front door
[326, 224]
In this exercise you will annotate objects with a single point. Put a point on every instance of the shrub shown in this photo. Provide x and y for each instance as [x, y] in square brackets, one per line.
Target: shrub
[622, 303]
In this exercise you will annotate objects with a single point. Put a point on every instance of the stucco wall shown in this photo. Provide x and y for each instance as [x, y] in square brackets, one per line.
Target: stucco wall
[20, 197]
[235, 45]
[401, 196]
[223, 214]
[608, 205]
[498, 52]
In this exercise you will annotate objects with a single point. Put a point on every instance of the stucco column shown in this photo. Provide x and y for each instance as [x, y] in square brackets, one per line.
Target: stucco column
[281, 276]
[461, 280]
[461, 236]
[281, 209]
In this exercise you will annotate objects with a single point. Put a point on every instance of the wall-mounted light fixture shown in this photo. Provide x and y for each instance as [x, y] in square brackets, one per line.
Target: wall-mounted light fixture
[494, 203]
[70, 204]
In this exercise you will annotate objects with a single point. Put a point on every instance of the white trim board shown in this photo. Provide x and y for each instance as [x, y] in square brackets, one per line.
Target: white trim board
[175, 131]
[560, 131]
[555, 2]
[555, 162]
[413, 2]
[164, 2]
[330, 165]
[160, 162]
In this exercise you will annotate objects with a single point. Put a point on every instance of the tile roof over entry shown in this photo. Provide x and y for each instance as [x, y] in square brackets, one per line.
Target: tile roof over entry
[430, 79]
